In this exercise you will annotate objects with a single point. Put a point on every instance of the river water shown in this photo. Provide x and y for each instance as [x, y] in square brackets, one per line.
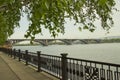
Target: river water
[107, 52]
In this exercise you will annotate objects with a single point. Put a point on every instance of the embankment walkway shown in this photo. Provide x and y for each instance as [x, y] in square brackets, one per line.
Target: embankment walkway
[11, 69]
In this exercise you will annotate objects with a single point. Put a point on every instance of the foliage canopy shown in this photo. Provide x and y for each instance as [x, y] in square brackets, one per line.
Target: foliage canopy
[51, 14]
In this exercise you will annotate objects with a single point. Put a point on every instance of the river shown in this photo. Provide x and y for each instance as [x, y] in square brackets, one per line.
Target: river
[107, 52]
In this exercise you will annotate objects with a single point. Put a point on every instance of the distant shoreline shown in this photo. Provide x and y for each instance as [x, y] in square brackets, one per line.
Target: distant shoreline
[26, 44]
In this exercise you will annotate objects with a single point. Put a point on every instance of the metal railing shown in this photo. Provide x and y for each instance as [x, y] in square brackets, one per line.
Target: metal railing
[79, 69]
[66, 68]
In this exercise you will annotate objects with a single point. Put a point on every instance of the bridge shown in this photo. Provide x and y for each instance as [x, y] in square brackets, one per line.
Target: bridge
[46, 42]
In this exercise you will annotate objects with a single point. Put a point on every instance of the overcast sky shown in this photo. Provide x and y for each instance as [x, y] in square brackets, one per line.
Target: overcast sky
[72, 31]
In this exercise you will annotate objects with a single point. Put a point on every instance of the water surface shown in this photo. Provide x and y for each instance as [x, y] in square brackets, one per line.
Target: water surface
[107, 52]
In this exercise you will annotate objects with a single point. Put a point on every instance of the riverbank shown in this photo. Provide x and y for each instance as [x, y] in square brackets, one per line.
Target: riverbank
[52, 65]
[11, 69]
[26, 44]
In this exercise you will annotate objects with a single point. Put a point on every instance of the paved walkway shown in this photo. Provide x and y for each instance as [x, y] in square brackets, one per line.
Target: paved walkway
[5, 71]
[11, 69]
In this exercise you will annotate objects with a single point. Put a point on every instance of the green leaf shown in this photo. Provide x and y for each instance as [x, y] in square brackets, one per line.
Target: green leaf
[47, 4]
[92, 30]
[102, 2]
[58, 30]
[85, 27]
[80, 29]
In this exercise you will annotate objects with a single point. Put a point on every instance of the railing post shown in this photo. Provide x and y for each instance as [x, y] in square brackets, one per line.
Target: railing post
[39, 61]
[19, 54]
[14, 52]
[8, 52]
[26, 57]
[64, 66]
[11, 52]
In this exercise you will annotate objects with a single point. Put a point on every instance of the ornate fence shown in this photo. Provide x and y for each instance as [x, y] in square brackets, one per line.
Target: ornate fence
[65, 68]
[79, 69]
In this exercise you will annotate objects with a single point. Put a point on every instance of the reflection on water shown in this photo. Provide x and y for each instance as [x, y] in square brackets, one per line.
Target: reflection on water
[109, 52]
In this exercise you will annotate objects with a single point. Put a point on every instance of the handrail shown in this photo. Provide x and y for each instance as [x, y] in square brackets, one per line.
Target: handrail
[97, 62]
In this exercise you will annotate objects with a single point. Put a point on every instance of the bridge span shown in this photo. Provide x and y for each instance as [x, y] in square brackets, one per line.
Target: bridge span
[46, 42]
